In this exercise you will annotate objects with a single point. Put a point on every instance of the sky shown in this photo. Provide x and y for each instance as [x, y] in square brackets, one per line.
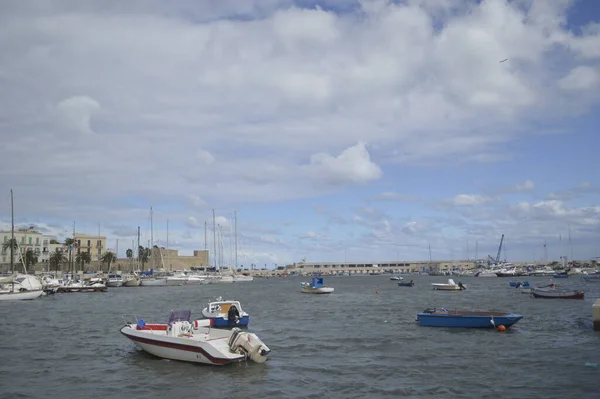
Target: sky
[335, 130]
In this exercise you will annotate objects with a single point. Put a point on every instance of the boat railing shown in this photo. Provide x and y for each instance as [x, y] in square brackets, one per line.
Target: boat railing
[130, 318]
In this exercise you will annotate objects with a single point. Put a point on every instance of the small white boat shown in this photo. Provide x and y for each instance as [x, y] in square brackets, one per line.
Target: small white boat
[317, 286]
[114, 280]
[449, 286]
[226, 313]
[194, 280]
[397, 278]
[153, 282]
[20, 287]
[181, 339]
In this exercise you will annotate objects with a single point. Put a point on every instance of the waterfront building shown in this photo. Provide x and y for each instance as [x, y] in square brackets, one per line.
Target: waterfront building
[27, 238]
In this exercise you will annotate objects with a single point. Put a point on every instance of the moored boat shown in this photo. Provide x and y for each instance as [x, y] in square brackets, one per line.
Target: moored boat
[20, 287]
[317, 286]
[449, 286]
[556, 294]
[226, 313]
[466, 319]
[406, 283]
[397, 278]
[591, 277]
[184, 340]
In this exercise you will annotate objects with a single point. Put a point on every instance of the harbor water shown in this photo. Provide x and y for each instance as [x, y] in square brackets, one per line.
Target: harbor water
[354, 343]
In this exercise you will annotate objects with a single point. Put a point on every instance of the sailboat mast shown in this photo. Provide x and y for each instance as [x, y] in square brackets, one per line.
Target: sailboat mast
[235, 238]
[12, 233]
[205, 240]
[138, 250]
[168, 244]
[151, 240]
[214, 239]
[570, 246]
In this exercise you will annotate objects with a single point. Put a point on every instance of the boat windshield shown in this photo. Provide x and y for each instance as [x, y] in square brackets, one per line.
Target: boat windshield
[182, 315]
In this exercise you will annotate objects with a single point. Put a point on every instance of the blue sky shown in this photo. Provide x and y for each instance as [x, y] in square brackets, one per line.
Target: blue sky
[358, 130]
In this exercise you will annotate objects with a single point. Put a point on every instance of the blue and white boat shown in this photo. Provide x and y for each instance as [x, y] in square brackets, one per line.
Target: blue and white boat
[317, 286]
[225, 313]
[466, 318]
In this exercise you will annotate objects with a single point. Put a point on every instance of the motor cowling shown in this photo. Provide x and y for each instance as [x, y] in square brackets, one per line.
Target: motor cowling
[249, 344]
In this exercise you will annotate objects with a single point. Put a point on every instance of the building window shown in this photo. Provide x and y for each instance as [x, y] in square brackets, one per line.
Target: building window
[89, 243]
[99, 244]
[37, 241]
[22, 240]
[45, 243]
[30, 240]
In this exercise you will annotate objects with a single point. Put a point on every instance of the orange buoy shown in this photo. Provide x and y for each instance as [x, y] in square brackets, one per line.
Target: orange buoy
[501, 328]
[377, 291]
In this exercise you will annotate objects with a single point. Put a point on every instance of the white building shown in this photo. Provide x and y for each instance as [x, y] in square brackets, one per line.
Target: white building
[27, 239]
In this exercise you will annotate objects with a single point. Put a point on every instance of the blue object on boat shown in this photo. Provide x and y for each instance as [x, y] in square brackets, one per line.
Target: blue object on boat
[141, 324]
[561, 276]
[466, 319]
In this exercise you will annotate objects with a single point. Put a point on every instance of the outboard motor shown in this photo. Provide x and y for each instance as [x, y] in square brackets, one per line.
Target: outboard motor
[249, 345]
[462, 287]
[233, 314]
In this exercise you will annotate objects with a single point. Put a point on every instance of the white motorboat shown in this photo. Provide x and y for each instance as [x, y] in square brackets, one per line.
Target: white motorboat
[226, 313]
[20, 287]
[153, 282]
[397, 278]
[317, 286]
[114, 280]
[449, 286]
[195, 341]
[193, 279]
[177, 279]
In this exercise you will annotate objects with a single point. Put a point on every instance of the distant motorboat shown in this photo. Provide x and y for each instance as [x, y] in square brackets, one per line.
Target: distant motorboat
[317, 286]
[226, 313]
[466, 319]
[449, 286]
[556, 294]
[590, 278]
[153, 282]
[406, 283]
[397, 278]
[114, 280]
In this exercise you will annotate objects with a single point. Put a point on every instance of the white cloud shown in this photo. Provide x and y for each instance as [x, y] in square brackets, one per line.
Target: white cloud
[392, 196]
[231, 102]
[580, 78]
[192, 222]
[352, 165]
[469, 199]
[527, 185]
[76, 113]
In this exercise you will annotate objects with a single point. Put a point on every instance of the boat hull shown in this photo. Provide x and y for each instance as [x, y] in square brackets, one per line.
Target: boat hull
[154, 282]
[410, 284]
[322, 290]
[224, 322]
[21, 296]
[446, 287]
[554, 294]
[467, 319]
[182, 349]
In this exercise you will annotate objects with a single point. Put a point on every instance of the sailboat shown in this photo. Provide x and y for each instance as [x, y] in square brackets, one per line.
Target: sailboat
[18, 286]
[153, 281]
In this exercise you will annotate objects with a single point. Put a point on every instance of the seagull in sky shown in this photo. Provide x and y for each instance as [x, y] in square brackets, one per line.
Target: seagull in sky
[506, 59]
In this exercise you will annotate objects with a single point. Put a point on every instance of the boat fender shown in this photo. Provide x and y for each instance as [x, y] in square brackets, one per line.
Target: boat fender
[141, 324]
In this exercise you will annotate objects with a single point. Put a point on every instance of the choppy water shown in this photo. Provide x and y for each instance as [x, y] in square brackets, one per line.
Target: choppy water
[353, 343]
